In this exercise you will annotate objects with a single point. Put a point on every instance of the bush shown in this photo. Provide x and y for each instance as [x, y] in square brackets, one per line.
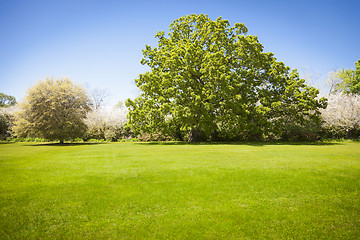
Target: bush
[107, 125]
[146, 137]
[18, 139]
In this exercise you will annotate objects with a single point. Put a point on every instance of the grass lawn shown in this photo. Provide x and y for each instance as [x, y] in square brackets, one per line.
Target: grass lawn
[180, 191]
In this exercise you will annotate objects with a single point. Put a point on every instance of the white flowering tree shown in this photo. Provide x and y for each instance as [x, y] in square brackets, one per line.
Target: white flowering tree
[342, 115]
[107, 124]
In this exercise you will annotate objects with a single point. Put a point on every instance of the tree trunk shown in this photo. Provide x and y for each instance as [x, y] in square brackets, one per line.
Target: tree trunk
[193, 135]
[348, 134]
[61, 141]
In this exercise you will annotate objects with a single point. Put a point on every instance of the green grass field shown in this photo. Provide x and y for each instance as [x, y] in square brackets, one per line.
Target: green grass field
[180, 191]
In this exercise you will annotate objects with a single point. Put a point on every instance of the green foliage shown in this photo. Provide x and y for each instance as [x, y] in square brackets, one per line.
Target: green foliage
[146, 137]
[53, 109]
[111, 133]
[180, 191]
[6, 121]
[210, 81]
[5, 124]
[19, 139]
[7, 100]
[6, 114]
[355, 85]
[349, 80]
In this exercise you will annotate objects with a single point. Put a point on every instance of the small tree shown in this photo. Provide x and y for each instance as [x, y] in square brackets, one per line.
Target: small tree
[7, 100]
[98, 97]
[53, 109]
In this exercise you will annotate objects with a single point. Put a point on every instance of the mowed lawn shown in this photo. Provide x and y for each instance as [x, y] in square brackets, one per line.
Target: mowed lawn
[180, 191]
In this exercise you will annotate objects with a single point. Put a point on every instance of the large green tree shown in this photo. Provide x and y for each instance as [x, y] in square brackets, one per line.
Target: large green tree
[210, 81]
[53, 109]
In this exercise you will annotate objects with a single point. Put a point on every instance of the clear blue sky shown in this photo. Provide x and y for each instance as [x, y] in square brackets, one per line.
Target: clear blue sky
[98, 43]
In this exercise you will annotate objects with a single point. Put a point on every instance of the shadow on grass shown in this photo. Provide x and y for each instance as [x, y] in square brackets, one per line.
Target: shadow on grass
[255, 144]
[65, 144]
[5, 142]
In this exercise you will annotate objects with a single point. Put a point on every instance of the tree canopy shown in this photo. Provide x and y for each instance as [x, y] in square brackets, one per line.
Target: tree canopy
[53, 109]
[7, 100]
[211, 81]
[347, 80]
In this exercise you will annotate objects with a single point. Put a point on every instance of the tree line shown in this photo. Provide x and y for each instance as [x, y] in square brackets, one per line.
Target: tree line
[207, 81]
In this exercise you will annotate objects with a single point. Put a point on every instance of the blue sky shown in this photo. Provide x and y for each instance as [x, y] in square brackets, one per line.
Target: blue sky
[99, 43]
